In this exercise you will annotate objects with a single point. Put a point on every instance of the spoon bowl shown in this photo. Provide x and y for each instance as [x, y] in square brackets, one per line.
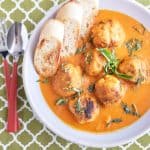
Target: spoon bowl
[17, 38]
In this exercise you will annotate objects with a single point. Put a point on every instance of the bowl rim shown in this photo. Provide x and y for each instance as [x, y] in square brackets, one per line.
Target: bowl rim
[59, 133]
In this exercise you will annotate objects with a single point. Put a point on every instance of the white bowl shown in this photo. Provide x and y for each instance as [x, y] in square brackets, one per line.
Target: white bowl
[45, 114]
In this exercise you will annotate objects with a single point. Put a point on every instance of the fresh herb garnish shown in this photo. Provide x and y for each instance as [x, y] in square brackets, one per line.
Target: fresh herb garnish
[133, 45]
[115, 120]
[81, 49]
[61, 101]
[78, 106]
[44, 81]
[140, 78]
[139, 28]
[112, 64]
[78, 93]
[132, 110]
[91, 88]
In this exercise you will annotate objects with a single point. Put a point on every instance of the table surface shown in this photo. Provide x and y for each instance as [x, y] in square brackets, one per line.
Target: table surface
[33, 135]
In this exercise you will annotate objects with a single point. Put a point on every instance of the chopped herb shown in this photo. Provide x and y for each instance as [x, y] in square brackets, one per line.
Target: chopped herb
[81, 49]
[61, 101]
[78, 92]
[132, 110]
[116, 120]
[140, 78]
[139, 28]
[112, 64]
[133, 45]
[91, 88]
[78, 107]
[45, 81]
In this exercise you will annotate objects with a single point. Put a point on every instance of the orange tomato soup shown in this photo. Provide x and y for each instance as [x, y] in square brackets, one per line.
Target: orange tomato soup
[138, 95]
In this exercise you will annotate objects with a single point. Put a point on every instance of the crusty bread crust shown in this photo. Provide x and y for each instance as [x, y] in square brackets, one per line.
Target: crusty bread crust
[90, 9]
[70, 11]
[71, 15]
[47, 52]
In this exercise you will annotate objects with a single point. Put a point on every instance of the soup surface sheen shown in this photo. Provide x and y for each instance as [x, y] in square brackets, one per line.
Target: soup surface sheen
[138, 95]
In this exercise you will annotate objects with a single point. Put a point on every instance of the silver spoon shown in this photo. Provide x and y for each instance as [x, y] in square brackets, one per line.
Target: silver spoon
[17, 38]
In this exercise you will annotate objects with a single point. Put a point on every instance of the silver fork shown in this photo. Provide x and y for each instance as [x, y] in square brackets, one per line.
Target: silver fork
[4, 52]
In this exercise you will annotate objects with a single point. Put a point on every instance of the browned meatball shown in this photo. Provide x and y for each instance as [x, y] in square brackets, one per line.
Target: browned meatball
[108, 33]
[135, 67]
[109, 90]
[85, 108]
[67, 79]
[93, 62]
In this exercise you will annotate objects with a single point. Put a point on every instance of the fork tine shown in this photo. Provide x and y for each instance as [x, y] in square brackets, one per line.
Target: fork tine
[3, 30]
[4, 27]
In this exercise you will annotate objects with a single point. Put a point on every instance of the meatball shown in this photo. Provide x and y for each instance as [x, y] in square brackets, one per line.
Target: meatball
[67, 80]
[93, 62]
[108, 33]
[109, 90]
[85, 108]
[135, 67]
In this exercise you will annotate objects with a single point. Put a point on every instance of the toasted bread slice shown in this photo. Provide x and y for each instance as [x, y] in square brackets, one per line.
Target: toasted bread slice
[90, 9]
[47, 53]
[71, 15]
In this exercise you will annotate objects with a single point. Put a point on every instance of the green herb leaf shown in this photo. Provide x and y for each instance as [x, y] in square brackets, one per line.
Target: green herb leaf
[61, 101]
[115, 120]
[107, 54]
[81, 49]
[45, 81]
[132, 110]
[112, 64]
[91, 88]
[133, 45]
[140, 78]
[78, 106]
[123, 76]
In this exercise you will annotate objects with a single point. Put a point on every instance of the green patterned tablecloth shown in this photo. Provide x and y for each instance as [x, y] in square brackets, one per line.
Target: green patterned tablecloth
[33, 135]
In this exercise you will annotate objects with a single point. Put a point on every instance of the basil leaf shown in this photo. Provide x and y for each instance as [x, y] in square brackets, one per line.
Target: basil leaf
[78, 107]
[91, 88]
[123, 76]
[133, 45]
[61, 101]
[115, 120]
[112, 64]
[106, 53]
